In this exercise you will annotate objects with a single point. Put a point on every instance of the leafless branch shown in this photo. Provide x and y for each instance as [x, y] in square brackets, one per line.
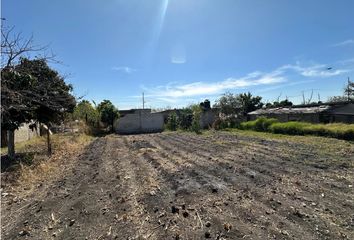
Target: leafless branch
[14, 46]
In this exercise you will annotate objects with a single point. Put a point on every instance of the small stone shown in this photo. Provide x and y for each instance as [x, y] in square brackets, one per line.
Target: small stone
[207, 224]
[185, 214]
[72, 221]
[299, 214]
[23, 233]
[207, 235]
[284, 233]
[227, 227]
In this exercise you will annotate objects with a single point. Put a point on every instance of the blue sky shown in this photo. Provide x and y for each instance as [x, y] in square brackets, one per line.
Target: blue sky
[180, 51]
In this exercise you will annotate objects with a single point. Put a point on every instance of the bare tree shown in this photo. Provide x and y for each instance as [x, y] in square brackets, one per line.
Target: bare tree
[310, 98]
[14, 46]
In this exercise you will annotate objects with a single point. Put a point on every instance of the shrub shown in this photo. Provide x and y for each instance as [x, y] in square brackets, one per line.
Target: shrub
[197, 111]
[291, 128]
[261, 124]
[172, 122]
[185, 120]
[335, 130]
[230, 122]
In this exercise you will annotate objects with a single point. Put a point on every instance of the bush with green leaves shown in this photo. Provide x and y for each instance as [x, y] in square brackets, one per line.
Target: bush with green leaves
[86, 112]
[291, 128]
[335, 130]
[185, 119]
[172, 123]
[108, 113]
[197, 112]
[261, 124]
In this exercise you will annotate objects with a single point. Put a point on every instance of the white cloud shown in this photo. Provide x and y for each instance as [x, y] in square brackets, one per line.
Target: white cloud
[178, 60]
[173, 91]
[268, 89]
[202, 88]
[344, 43]
[124, 69]
[318, 70]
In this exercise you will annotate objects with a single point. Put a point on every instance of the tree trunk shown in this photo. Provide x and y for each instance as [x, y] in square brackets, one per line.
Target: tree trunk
[49, 144]
[11, 144]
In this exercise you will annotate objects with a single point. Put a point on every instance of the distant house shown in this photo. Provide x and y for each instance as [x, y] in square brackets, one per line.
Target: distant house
[315, 113]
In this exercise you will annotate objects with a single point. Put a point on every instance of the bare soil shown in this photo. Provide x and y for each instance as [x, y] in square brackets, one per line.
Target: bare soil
[185, 186]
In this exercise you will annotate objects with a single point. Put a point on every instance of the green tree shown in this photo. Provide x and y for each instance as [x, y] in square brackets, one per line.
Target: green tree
[349, 90]
[337, 99]
[228, 104]
[32, 91]
[197, 112]
[108, 113]
[283, 103]
[172, 122]
[185, 118]
[86, 112]
[249, 103]
[348, 94]
[238, 104]
[15, 103]
[49, 97]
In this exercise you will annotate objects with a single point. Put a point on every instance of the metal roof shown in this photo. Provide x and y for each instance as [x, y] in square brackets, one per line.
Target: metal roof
[290, 110]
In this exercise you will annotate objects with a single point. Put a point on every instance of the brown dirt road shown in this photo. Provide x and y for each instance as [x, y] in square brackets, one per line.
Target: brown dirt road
[186, 186]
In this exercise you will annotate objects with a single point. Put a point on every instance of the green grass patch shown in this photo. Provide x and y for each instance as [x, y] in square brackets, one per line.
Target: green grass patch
[334, 130]
[262, 124]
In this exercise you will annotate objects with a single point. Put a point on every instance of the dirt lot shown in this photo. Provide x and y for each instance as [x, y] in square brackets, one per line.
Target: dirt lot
[185, 186]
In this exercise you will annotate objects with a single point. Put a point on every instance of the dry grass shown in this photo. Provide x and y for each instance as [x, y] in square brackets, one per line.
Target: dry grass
[24, 177]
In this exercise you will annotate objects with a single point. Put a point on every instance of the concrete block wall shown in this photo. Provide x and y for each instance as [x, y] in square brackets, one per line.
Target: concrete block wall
[140, 123]
[25, 133]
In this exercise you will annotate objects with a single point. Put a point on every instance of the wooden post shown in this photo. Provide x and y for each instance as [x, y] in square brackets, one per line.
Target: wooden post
[49, 144]
[11, 144]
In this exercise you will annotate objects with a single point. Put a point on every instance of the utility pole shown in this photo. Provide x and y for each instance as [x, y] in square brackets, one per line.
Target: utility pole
[348, 89]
